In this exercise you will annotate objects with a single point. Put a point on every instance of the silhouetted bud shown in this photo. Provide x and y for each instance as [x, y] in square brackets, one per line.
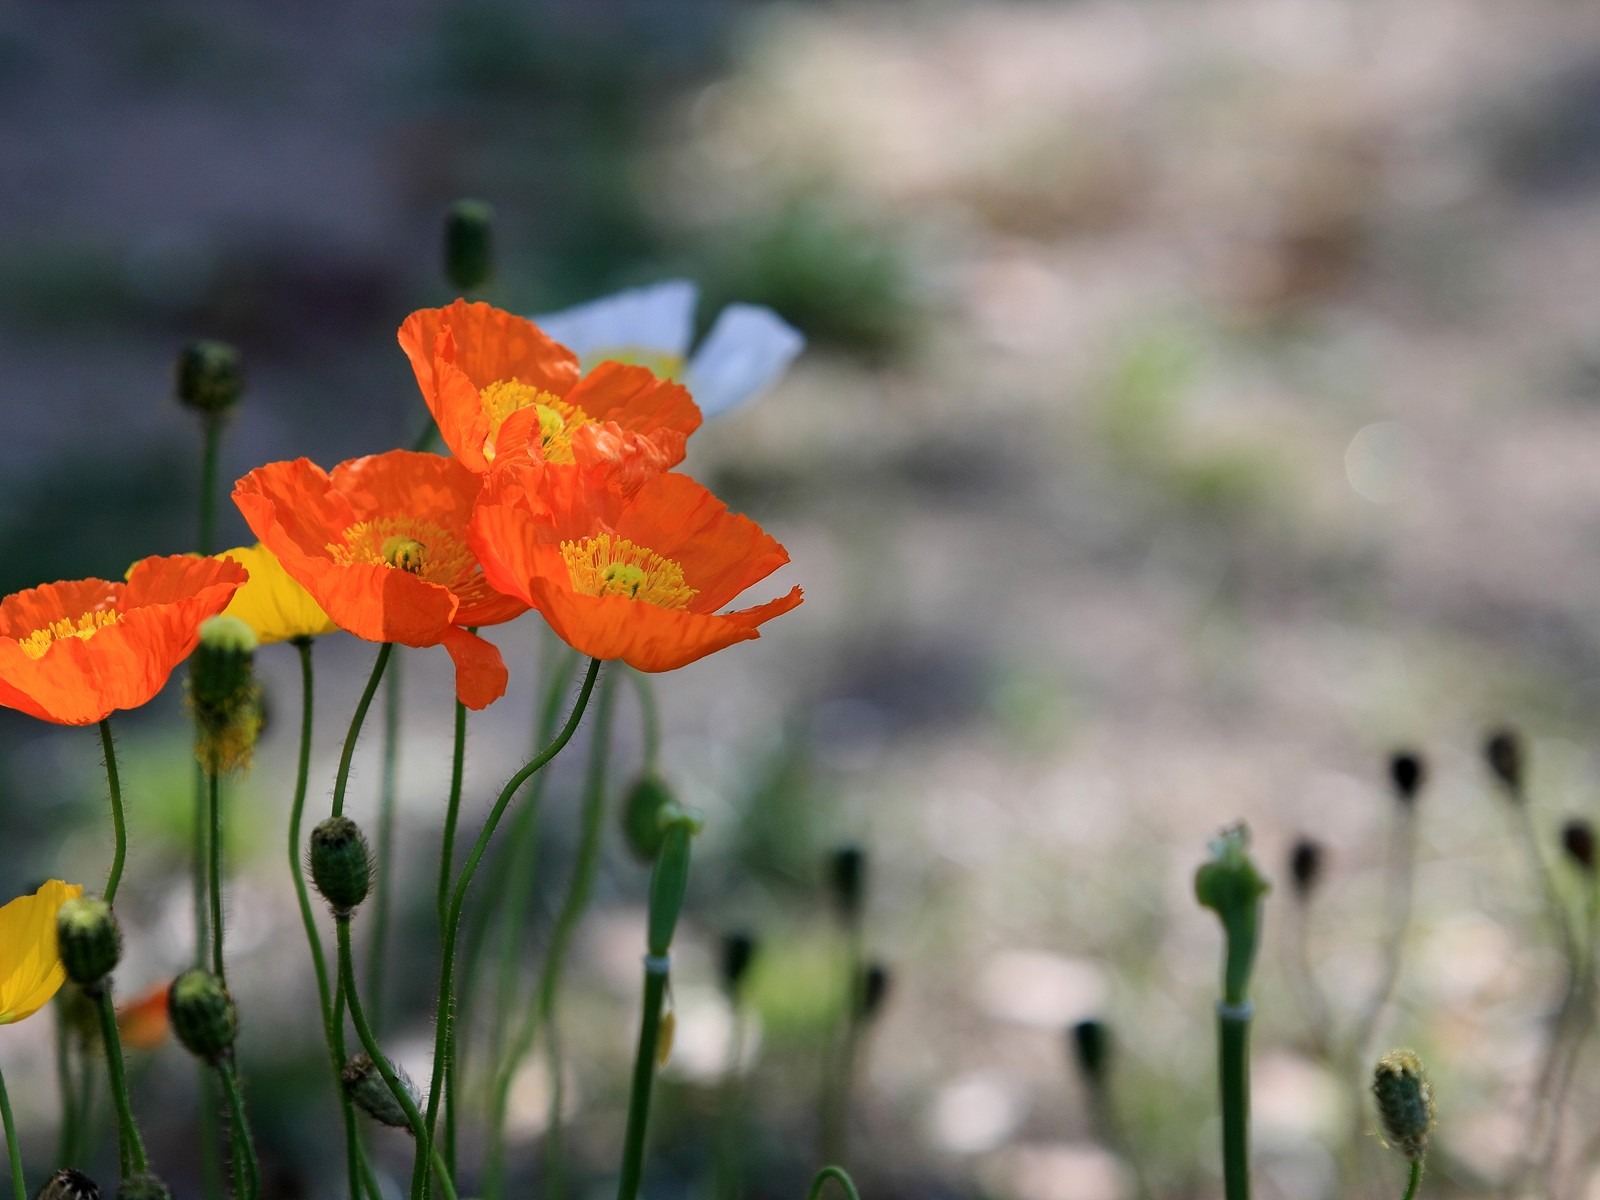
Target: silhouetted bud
[89, 940]
[1409, 772]
[847, 876]
[738, 952]
[341, 864]
[874, 990]
[210, 377]
[642, 810]
[1577, 839]
[365, 1085]
[143, 1187]
[1502, 750]
[224, 694]
[1305, 866]
[1091, 1051]
[202, 1014]
[469, 244]
[1405, 1103]
[68, 1185]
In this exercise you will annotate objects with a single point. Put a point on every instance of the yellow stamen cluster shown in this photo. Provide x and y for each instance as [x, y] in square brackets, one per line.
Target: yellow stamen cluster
[86, 626]
[605, 565]
[418, 547]
[557, 418]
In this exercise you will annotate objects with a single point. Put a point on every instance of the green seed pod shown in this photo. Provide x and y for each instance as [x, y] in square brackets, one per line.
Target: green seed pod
[143, 1187]
[365, 1085]
[210, 377]
[469, 244]
[68, 1184]
[642, 807]
[89, 940]
[341, 865]
[202, 1014]
[1405, 1103]
[224, 694]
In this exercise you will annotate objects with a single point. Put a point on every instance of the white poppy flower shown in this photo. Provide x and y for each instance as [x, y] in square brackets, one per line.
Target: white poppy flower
[747, 349]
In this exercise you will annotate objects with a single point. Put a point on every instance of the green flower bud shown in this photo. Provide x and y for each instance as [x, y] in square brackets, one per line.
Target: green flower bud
[68, 1184]
[341, 865]
[1230, 885]
[1091, 1051]
[143, 1187]
[847, 876]
[1405, 1103]
[469, 244]
[89, 940]
[642, 807]
[202, 1014]
[365, 1085]
[224, 694]
[210, 377]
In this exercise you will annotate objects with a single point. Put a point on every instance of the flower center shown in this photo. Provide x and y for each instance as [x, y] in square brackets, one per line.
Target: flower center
[604, 565]
[406, 544]
[557, 418]
[85, 627]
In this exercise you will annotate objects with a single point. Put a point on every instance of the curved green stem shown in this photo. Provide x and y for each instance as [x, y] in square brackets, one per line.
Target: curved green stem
[131, 1143]
[839, 1175]
[246, 1168]
[447, 851]
[119, 823]
[1414, 1181]
[18, 1183]
[381, 1061]
[383, 845]
[342, 780]
[445, 1018]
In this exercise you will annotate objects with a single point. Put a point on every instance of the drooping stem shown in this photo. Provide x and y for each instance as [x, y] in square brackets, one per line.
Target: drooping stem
[132, 1145]
[380, 1060]
[838, 1175]
[246, 1168]
[18, 1184]
[342, 780]
[119, 825]
[383, 845]
[445, 1014]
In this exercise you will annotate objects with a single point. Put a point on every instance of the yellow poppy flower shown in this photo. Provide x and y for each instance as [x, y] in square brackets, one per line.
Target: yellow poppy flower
[30, 967]
[272, 603]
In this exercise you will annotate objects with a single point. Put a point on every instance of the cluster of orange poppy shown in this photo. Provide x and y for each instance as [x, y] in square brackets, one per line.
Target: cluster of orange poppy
[558, 495]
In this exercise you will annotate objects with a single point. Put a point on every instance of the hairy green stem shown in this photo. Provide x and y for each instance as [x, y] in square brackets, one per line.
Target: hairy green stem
[342, 780]
[214, 806]
[18, 1184]
[246, 1167]
[1413, 1181]
[131, 1144]
[445, 1015]
[447, 852]
[383, 846]
[119, 825]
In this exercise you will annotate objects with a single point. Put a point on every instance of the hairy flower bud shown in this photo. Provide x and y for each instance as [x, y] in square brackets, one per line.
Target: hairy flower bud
[341, 864]
[143, 1187]
[89, 940]
[365, 1086]
[469, 244]
[1405, 1102]
[202, 1014]
[210, 377]
[68, 1184]
[1305, 866]
[224, 694]
[1408, 771]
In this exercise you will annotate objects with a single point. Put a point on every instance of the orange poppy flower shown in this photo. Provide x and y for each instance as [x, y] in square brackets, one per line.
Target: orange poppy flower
[501, 390]
[381, 545]
[142, 1021]
[76, 652]
[637, 575]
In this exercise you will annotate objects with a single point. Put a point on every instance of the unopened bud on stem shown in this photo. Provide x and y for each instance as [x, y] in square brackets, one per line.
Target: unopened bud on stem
[1408, 771]
[202, 1014]
[341, 865]
[1577, 839]
[89, 940]
[1091, 1051]
[1405, 1103]
[1305, 867]
[68, 1184]
[1502, 750]
[210, 377]
[365, 1085]
[469, 244]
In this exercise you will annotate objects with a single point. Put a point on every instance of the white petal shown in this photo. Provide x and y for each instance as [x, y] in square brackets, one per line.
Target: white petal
[744, 354]
[657, 318]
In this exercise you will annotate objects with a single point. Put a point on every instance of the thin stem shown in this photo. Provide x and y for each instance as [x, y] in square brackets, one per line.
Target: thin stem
[383, 846]
[202, 855]
[380, 1060]
[1233, 1072]
[118, 822]
[18, 1184]
[127, 1128]
[649, 715]
[445, 1018]
[212, 441]
[214, 805]
[840, 1176]
[1414, 1180]
[67, 1143]
[839, 1068]
[246, 1168]
[644, 1071]
[1403, 866]
[728, 1164]
[447, 851]
[83, 1143]
[342, 780]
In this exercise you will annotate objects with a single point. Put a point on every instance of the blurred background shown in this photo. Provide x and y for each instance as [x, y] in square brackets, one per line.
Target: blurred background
[1202, 401]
